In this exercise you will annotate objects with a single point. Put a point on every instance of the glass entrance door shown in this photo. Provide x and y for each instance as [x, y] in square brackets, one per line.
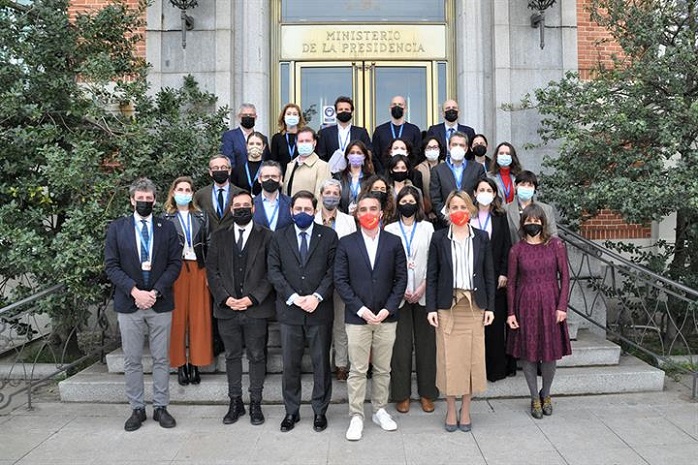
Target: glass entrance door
[371, 85]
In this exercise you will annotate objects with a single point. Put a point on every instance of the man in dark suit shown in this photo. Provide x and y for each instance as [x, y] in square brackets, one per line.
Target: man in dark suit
[445, 130]
[396, 128]
[215, 199]
[243, 301]
[456, 174]
[370, 275]
[337, 137]
[301, 259]
[272, 208]
[234, 141]
[143, 258]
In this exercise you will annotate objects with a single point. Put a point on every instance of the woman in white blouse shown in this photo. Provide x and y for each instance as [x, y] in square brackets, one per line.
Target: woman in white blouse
[413, 329]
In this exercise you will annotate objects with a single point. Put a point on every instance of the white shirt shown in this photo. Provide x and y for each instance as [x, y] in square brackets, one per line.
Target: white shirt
[343, 136]
[139, 238]
[419, 249]
[245, 235]
[462, 256]
[371, 246]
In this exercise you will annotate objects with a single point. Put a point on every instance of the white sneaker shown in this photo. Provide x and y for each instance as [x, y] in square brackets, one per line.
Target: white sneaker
[384, 420]
[356, 428]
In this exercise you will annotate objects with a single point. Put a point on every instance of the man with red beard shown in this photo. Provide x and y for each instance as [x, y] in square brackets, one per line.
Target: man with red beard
[370, 276]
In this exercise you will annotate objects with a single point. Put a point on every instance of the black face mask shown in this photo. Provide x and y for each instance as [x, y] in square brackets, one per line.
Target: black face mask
[220, 176]
[532, 229]
[399, 176]
[407, 209]
[270, 185]
[479, 150]
[451, 115]
[397, 112]
[144, 208]
[242, 216]
[344, 116]
[382, 196]
[247, 122]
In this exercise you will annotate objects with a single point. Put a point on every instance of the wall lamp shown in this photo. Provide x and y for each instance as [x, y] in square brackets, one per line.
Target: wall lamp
[187, 21]
[538, 18]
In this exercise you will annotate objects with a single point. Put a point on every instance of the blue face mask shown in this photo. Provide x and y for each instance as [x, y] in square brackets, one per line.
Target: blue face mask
[525, 193]
[303, 220]
[182, 199]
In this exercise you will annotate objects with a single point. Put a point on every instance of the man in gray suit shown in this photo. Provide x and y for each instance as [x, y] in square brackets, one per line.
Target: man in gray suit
[526, 186]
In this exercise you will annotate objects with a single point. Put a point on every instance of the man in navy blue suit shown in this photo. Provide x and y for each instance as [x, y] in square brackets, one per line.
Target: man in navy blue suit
[272, 208]
[445, 130]
[143, 258]
[370, 276]
[234, 141]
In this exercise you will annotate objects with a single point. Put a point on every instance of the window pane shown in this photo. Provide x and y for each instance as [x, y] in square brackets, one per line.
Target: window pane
[441, 69]
[409, 82]
[371, 11]
[285, 79]
[320, 87]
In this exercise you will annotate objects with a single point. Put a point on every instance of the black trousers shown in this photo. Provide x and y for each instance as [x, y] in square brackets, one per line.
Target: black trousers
[239, 331]
[498, 363]
[413, 331]
[293, 339]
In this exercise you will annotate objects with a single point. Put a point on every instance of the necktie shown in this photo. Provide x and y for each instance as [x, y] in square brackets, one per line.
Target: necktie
[304, 246]
[242, 231]
[450, 133]
[221, 204]
[145, 245]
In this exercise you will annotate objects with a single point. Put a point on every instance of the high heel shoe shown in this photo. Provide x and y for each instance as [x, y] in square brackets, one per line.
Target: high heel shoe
[450, 428]
[183, 375]
[194, 375]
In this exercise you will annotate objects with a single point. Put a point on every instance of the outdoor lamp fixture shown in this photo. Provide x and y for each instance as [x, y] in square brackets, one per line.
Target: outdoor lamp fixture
[538, 18]
[187, 21]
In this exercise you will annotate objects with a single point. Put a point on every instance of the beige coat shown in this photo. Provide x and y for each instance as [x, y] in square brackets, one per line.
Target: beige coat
[308, 175]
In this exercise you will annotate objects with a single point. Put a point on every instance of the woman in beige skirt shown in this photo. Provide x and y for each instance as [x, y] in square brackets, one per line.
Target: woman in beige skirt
[460, 303]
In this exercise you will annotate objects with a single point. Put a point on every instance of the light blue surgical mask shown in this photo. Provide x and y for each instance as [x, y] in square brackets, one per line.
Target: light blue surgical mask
[291, 120]
[182, 199]
[504, 159]
[305, 148]
[525, 192]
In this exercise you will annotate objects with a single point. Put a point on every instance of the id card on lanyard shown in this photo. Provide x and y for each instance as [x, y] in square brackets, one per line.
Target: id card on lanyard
[188, 251]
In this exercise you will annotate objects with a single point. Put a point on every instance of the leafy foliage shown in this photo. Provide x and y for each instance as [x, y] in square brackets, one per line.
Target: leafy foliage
[69, 150]
[628, 134]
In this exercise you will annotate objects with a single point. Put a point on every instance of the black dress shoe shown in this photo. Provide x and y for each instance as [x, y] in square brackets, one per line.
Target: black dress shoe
[256, 415]
[289, 422]
[162, 416]
[320, 423]
[235, 411]
[194, 375]
[183, 375]
[135, 420]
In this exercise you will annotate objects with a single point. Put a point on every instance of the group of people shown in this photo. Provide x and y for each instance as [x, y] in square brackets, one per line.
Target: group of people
[365, 250]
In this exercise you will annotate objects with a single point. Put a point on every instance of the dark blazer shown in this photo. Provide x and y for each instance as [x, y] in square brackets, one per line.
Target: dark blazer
[234, 146]
[439, 130]
[220, 266]
[440, 272]
[382, 137]
[123, 264]
[284, 215]
[290, 275]
[279, 148]
[200, 233]
[501, 243]
[443, 182]
[328, 140]
[239, 177]
[358, 285]
[204, 201]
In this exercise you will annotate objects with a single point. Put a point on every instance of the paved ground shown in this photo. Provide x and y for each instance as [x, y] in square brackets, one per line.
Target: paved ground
[626, 429]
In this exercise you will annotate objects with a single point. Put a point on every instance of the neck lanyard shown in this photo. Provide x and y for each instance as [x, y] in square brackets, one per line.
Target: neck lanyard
[343, 146]
[408, 243]
[487, 221]
[291, 148]
[273, 214]
[399, 134]
[186, 226]
[250, 181]
[459, 179]
[507, 190]
[144, 243]
[354, 187]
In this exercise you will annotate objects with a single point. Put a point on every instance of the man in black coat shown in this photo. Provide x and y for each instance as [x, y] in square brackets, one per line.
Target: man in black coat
[444, 131]
[301, 259]
[396, 128]
[339, 136]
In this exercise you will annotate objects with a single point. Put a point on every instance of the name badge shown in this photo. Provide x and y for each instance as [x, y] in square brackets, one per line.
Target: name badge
[189, 254]
[411, 265]
[351, 208]
[145, 266]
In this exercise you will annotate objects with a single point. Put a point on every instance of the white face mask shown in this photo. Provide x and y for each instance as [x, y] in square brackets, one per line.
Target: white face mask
[457, 153]
[503, 159]
[291, 120]
[432, 154]
[305, 148]
[398, 152]
[484, 198]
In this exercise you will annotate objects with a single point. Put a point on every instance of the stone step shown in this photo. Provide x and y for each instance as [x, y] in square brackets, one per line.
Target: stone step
[96, 384]
[586, 350]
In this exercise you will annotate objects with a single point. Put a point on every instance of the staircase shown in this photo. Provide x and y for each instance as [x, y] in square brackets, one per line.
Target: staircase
[596, 366]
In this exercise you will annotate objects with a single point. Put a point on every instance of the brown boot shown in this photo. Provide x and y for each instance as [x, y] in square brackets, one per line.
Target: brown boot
[403, 406]
[427, 404]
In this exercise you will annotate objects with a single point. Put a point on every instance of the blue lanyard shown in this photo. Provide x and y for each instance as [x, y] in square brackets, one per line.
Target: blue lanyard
[408, 244]
[399, 134]
[273, 214]
[355, 187]
[343, 146]
[487, 221]
[291, 148]
[144, 243]
[186, 226]
[250, 181]
[459, 179]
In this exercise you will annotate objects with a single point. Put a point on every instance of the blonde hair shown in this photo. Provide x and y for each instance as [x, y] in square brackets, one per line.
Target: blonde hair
[465, 198]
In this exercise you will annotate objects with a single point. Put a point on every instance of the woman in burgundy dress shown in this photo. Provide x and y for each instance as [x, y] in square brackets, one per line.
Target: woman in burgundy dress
[537, 294]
